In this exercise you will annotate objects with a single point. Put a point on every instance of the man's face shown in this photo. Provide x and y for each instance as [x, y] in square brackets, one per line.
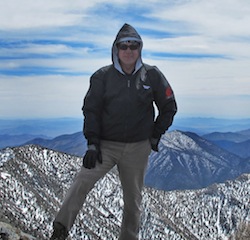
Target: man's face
[128, 52]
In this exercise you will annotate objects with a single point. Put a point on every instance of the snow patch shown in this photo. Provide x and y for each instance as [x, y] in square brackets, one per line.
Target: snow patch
[6, 155]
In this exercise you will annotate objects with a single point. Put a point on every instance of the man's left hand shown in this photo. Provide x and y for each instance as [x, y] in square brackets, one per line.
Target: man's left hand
[90, 158]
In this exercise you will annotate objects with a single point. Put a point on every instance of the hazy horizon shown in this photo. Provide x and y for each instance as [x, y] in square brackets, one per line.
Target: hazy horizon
[6, 118]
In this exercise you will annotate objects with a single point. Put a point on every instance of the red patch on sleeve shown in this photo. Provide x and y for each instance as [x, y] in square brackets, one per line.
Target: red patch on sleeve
[169, 92]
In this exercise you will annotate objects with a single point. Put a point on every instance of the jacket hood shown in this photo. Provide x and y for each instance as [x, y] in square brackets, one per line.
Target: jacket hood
[126, 33]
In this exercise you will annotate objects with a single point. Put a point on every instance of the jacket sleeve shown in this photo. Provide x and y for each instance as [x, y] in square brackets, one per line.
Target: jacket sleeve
[165, 101]
[92, 108]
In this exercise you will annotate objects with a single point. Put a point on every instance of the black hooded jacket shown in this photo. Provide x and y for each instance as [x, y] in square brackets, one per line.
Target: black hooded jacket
[119, 107]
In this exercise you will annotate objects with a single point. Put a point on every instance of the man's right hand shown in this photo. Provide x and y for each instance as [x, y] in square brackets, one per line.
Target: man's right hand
[90, 158]
[154, 144]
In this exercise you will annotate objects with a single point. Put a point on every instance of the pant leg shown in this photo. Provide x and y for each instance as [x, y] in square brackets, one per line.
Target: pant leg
[132, 167]
[83, 183]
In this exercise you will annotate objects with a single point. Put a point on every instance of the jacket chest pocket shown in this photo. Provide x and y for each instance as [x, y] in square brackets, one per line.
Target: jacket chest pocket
[144, 93]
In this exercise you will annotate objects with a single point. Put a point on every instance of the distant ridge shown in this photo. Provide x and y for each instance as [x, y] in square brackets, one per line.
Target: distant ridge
[188, 161]
[234, 142]
[74, 144]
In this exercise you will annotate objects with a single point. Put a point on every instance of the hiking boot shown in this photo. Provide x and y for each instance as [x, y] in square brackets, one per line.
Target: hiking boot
[60, 232]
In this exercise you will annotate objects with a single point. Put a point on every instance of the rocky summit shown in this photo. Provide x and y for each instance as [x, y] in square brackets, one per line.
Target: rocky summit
[34, 181]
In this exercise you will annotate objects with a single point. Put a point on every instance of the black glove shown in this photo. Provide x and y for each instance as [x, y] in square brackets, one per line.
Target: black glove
[154, 144]
[91, 156]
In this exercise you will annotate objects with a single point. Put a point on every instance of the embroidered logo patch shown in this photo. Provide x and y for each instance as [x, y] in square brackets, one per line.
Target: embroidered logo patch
[146, 87]
[169, 92]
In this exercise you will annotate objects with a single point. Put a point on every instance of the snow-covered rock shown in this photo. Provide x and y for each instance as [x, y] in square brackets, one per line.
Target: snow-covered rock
[34, 182]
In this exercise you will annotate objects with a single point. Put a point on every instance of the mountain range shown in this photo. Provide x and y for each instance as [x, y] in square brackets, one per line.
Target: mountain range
[34, 181]
[40, 126]
[231, 135]
[196, 186]
[234, 142]
[185, 160]
[74, 144]
[13, 130]
[188, 161]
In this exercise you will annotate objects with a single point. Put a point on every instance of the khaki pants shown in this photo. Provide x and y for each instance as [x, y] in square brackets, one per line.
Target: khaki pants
[131, 160]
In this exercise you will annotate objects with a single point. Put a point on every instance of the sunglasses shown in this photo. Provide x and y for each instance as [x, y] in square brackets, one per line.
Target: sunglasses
[131, 47]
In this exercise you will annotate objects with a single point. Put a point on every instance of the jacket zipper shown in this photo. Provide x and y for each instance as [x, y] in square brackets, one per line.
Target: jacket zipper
[128, 83]
[126, 121]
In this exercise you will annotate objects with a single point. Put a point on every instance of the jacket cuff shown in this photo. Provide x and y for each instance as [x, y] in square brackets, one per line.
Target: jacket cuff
[156, 135]
[92, 147]
[94, 141]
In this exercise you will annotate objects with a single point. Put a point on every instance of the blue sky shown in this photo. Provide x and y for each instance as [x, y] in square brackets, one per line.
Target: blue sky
[49, 49]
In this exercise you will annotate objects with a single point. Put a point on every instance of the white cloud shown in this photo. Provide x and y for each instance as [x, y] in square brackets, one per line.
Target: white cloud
[27, 14]
[49, 96]
[197, 27]
[209, 26]
[212, 18]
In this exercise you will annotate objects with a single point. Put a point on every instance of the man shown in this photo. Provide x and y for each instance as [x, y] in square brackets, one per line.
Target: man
[121, 129]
